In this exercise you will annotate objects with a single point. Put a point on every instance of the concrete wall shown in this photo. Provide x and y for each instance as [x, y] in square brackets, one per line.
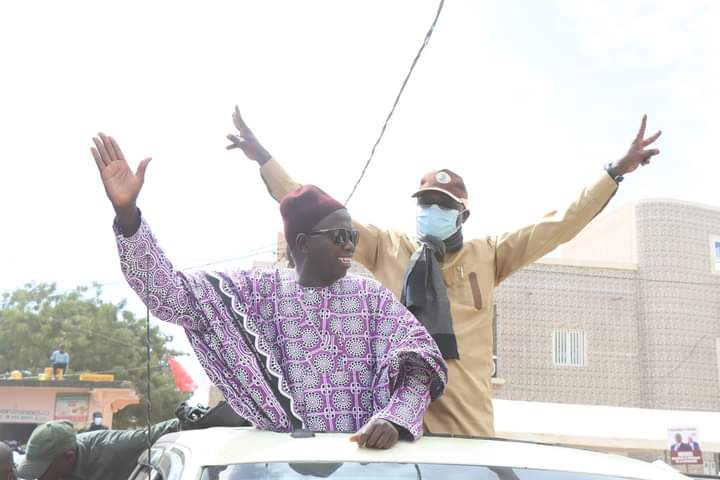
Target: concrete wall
[609, 238]
[679, 304]
[543, 297]
[652, 327]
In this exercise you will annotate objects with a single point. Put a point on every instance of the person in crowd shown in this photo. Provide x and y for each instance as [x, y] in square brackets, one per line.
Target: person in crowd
[97, 423]
[312, 348]
[60, 360]
[7, 465]
[446, 280]
[56, 452]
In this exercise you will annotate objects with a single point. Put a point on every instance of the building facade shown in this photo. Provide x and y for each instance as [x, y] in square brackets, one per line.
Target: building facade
[627, 314]
[24, 404]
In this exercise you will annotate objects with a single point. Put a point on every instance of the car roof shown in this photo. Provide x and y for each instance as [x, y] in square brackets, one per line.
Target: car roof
[223, 446]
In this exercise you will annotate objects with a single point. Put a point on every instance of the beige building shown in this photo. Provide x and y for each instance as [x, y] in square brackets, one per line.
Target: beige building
[627, 314]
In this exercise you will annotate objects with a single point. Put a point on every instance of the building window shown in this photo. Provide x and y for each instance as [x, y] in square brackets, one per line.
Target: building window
[717, 343]
[569, 348]
[715, 252]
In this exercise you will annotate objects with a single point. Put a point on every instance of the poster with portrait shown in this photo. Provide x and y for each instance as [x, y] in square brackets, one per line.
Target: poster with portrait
[73, 407]
[684, 446]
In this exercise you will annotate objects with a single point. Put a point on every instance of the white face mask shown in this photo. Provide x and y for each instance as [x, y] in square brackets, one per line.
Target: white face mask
[97, 420]
[436, 222]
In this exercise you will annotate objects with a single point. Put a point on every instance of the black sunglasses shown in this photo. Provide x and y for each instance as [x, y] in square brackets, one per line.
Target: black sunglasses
[340, 236]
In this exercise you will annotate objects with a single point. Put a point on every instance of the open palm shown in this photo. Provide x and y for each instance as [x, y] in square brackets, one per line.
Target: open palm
[121, 184]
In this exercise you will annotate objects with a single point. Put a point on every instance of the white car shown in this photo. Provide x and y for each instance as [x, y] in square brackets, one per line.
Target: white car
[249, 454]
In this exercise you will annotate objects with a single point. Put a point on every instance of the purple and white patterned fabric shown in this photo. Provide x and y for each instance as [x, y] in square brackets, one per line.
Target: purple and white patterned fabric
[287, 356]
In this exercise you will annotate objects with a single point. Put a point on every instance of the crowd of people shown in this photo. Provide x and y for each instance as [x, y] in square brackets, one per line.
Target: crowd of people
[316, 348]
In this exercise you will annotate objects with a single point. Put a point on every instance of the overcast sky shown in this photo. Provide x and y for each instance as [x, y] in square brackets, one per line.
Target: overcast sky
[526, 100]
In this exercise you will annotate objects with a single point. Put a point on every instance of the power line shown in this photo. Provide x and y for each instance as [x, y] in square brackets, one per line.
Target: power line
[397, 99]
[91, 332]
[526, 269]
[617, 277]
[115, 370]
[529, 269]
[686, 358]
[148, 403]
[268, 248]
[254, 252]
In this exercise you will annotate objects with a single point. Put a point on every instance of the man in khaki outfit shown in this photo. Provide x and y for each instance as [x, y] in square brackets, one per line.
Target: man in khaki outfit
[448, 282]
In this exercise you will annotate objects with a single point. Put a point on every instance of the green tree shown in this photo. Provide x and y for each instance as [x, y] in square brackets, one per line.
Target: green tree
[100, 336]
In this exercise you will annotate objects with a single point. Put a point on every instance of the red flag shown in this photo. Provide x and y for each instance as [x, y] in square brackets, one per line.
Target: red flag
[183, 380]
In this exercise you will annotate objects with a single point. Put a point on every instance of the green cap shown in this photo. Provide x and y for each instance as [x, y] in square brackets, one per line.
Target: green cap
[47, 442]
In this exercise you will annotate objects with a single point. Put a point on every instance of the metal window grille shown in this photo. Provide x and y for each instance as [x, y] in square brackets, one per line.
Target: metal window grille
[569, 348]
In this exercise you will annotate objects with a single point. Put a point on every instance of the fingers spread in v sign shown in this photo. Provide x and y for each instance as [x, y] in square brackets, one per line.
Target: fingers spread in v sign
[637, 154]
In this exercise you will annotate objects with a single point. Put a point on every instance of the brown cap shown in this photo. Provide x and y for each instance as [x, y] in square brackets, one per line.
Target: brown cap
[447, 182]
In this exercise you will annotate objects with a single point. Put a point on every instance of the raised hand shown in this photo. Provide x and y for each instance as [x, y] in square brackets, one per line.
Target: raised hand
[245, 140]
[378, 433]
[122, 186]
[638, 154]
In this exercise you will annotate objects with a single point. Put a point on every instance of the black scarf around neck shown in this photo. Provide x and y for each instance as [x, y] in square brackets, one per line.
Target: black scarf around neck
[424, 292]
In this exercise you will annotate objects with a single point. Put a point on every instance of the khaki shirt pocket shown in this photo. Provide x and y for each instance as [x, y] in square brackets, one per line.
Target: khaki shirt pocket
[475, 289]
[464, 288]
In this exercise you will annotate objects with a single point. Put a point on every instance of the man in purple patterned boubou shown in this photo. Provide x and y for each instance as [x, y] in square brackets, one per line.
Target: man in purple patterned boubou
[315, 348]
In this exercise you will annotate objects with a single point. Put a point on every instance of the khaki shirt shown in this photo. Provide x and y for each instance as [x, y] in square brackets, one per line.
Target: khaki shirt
[470, 275]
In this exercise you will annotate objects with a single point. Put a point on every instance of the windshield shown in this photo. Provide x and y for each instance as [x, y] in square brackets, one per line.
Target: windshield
[381, 471]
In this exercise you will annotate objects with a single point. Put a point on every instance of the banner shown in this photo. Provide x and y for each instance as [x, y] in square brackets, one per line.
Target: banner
[684, 446]
[9, 415]
[73, 407]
